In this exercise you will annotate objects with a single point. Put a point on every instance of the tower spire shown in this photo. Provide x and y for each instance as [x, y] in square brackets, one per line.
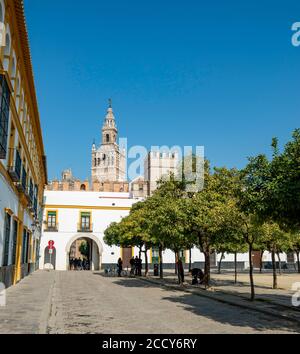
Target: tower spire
[109, 103]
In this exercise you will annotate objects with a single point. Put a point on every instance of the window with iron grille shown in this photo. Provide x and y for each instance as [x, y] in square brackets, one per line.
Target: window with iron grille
[6, 239]
[51, 219]
[25, 246]
[85, 221]
[4, 115]
[15, 236]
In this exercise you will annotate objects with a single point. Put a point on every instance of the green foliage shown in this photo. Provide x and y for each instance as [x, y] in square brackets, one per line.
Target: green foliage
[84, 248]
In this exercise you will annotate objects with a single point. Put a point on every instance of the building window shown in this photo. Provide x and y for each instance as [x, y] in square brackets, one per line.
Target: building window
[6, 239]
[25, 247]
[4, 115]
[15, 237]
[107, 138]
[85, 221]
[51, 220]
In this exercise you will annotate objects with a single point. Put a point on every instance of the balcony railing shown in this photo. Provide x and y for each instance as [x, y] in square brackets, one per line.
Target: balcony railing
[29, 193]
[21, 186]
[84, 227]
[51, 228]
[15, 167]
[35, 206]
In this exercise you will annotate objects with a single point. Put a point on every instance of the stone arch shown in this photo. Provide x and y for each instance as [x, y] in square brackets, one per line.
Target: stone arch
[95, 239]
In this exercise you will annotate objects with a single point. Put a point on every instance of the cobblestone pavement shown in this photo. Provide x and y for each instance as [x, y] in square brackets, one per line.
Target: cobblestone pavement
[87, 302]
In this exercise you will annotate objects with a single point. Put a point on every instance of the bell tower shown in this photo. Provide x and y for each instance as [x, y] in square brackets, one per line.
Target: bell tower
[108, 162]
[109, 129]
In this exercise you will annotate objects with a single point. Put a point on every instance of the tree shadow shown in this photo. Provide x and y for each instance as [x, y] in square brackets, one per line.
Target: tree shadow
[231, 315]
[212, 309]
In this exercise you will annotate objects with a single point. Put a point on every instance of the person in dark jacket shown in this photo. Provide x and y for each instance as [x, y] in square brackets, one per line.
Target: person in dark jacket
[136, 265]
[120, 266]
[132, 266]
[140, 267]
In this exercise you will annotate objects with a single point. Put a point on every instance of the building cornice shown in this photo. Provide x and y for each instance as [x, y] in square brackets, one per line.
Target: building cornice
[88, 207]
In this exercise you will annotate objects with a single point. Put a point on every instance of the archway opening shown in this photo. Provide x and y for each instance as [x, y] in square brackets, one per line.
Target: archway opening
[84, 255]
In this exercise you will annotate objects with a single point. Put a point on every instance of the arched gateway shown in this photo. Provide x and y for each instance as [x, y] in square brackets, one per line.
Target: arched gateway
[94, 253]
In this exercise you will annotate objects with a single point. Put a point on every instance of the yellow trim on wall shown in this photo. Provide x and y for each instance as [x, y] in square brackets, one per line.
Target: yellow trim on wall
[150, 257]
[80, 207]
[9, 211]
[187, 256]
[56, 219]
[17, 272]
[89, 212]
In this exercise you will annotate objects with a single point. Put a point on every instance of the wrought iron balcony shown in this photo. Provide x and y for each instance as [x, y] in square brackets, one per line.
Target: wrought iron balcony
[29, 193]
[21, 186]
[84, 227]
[15, 167]
[51, 227]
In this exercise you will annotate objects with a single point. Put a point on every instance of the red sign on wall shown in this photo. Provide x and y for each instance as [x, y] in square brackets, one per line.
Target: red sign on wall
[51, 245]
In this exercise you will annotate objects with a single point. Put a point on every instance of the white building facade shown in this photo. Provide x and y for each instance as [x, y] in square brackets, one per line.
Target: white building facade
[83, 215]
[23, 173]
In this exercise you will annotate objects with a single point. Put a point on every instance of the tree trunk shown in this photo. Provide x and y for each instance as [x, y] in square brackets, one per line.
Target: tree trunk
[274, 269]
[176, 265]
[298, 261]
[235, 267]
[207, 268]
[190, 260]
[140, 252]
[180, 280]
[220, 263]
[251, 273]
[146, 263]
[279, 262]
[261, 261]
[161, 274]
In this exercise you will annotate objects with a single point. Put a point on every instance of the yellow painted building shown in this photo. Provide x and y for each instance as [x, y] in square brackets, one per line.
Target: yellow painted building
[23, 173]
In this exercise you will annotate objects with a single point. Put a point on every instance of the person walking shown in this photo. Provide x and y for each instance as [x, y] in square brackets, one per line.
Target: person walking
[140, 267]
[136, 265]
[120, 266]
[71, 263]
[132, 262]
[79, 264]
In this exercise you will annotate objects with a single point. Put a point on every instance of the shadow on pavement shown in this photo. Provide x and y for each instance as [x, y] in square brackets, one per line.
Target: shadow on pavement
[212, 309]
[223, 313]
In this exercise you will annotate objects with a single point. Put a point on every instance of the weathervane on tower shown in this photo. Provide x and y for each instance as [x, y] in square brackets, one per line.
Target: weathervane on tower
[110, 103]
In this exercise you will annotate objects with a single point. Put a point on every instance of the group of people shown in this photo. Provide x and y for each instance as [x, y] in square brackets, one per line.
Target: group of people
[79, 264]
[135, 266]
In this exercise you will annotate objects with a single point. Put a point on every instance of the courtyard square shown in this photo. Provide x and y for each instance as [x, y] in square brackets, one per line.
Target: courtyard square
[81, 302]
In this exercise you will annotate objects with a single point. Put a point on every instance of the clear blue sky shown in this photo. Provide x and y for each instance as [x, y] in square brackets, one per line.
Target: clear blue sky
[222, 74]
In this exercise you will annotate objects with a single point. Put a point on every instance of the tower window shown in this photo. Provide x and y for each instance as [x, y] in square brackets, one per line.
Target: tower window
[107, 138]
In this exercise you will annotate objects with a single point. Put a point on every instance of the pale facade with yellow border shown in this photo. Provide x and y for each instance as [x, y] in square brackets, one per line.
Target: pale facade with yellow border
[22, 159]
[74, 215]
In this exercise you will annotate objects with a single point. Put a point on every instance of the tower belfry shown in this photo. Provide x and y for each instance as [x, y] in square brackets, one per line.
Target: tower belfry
[109, 129]
[108, 162]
